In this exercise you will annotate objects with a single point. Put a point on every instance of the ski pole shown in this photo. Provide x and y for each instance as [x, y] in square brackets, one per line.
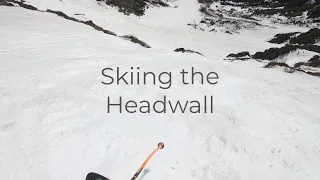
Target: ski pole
[160, 146]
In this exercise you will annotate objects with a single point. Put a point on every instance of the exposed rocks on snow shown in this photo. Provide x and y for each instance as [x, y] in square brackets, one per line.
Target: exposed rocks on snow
[236, 16]
[274, 53]
[305, 69]
[187, 51]
[5, 3]
[281, 38]
[302, 12]
[89, 23]
[22, 4]
[310, 67]
[310, 37]
[135, 40]
[245, 55]
[98, 28]
[313, 62]
[136, 7]
[227, 20]
[294, 41]
[273, 64]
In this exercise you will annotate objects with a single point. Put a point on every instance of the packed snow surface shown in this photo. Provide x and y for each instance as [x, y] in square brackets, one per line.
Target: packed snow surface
[54, 123]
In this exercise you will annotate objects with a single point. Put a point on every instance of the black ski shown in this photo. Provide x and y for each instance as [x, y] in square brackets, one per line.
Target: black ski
[95, 176]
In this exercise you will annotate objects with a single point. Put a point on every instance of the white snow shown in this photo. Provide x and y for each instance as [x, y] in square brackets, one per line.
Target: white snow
[170, 31]
[296, 56]
[54, 123]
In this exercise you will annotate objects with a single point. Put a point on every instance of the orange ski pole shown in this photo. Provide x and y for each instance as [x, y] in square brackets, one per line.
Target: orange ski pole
[160, 146]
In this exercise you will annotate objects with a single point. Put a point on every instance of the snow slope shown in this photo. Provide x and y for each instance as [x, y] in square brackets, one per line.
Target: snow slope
[166, 28]
[54, 123]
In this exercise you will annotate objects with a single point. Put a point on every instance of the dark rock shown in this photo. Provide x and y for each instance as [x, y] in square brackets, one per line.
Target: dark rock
[98, 28]
[310, 37]
[61, 14]
[206, 1]
[314, 13]
[187, 51]
[5, 3]
[203, 21]
[273, 53]
[313, 62]
[310, 47]
[27, 6]
[296, 65]
[240, 54]
[136, 7]
[290, 9]
[281, 38]
[136, 40]
[273, 64]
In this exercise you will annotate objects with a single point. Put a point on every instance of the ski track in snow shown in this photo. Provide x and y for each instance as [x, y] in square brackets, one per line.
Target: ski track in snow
[54, 123]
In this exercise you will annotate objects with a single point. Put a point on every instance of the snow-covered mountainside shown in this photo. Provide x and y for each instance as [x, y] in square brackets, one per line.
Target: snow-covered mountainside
[54, 119]
[211, 28]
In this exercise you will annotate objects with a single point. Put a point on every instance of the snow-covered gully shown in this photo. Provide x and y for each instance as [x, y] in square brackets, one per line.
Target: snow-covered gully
[255, 123]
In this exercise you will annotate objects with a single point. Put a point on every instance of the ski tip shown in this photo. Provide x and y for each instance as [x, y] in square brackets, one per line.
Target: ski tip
[95, 176]
[161, 145]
